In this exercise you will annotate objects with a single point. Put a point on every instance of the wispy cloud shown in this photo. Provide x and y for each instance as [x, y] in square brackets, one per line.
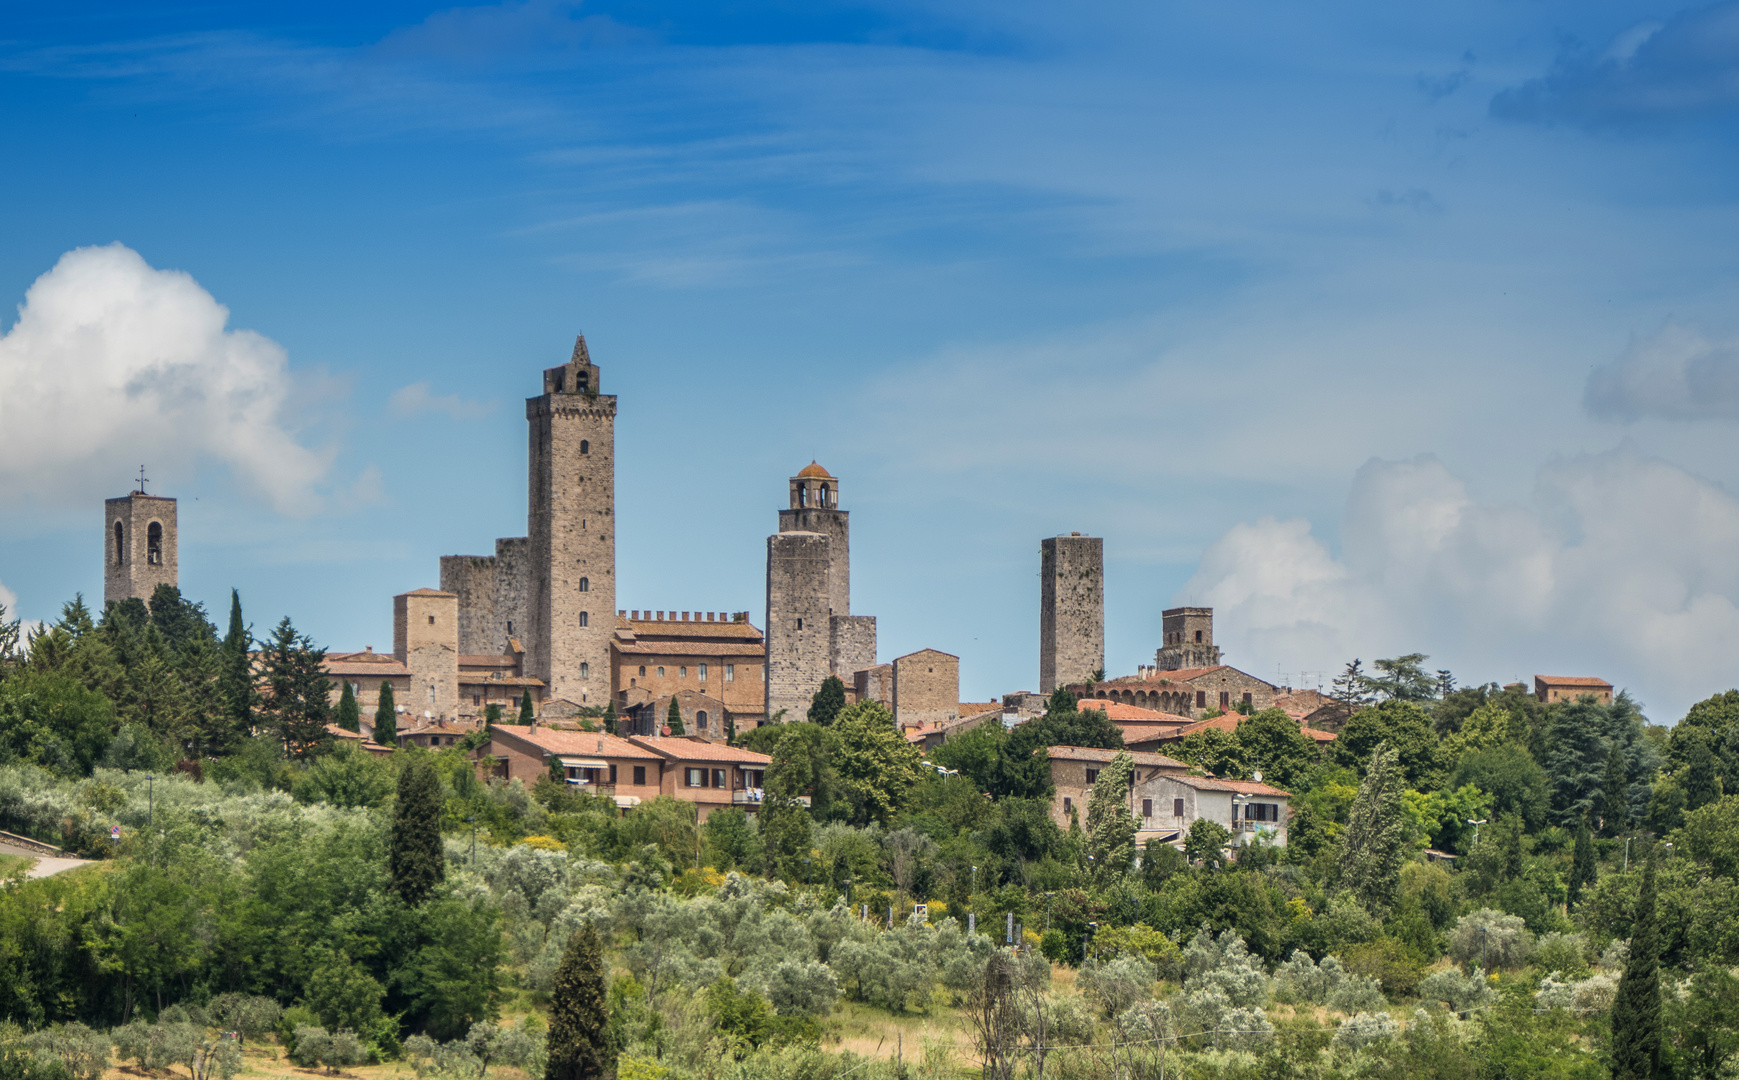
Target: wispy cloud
[1676, 373]
[417, 400]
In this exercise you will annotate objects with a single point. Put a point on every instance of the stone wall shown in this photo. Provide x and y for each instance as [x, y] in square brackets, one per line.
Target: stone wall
[1071, 609]
[1188, 639]
[471, 578]
[875, 684]
[129, 568]
[926, 688]
[836, 526]
[798, 616]
[425, 639]
[851, 646]
[512, 591]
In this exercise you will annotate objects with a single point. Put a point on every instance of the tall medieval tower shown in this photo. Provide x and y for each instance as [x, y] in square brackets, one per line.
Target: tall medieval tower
[1189, 639]
[1071, 610]
[811, 632]
[572, 525]
[140, 539]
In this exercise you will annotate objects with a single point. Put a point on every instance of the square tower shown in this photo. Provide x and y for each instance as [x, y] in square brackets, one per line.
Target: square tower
[815, 509]
[140, 544]
[425, 639]
[1071, 610]
[1188, 640]
[571, 602]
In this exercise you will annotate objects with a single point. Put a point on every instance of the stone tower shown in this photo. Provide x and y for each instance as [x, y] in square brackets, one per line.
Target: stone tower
[425, 639]
[811, 632]
[1189, 639]
[140, 541]
[571, 602]
[1071, 610]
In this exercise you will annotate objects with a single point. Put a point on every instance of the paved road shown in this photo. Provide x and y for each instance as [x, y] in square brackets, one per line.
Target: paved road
[46, 866]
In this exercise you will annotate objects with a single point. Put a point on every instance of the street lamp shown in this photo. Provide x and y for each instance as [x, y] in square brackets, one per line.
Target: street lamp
[150, 799]
[806, 872]
[1048, 909]
[1476, 825]
[472, 820]
[1085, 934]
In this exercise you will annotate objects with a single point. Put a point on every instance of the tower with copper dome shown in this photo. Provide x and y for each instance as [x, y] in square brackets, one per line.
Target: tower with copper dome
[811, 632]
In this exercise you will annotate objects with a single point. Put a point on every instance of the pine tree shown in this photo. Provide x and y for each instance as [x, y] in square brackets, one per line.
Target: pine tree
[1614, 794]
[297, 691]
[386, 721]
[1636, 1011]
[1702, 780]
[491, 716]
[673, 718]
[348, 715]
[1371, 859]
[1583, 871]
[416, 860]
[580, 1042]
[827, 702]
[236, 681]
[527, 711]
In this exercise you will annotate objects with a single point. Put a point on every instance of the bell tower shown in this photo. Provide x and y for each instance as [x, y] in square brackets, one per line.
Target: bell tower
[140, 545]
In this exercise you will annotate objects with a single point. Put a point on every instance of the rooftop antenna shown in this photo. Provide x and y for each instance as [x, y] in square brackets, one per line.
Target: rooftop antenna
[141, 479]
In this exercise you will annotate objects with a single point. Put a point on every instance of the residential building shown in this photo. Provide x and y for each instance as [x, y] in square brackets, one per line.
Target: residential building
[655, 654]
[592, 761]
[1075, 768]
[1550, 688]
[1245, 808]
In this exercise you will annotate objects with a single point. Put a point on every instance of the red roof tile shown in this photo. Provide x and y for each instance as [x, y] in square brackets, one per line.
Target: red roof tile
[577, 743]
[682, 748]
[1091, 753]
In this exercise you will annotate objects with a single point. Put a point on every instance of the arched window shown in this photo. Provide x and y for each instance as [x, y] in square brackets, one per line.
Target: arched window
[154, 544]
[120, 544]
[585, 585]
[661, 673]
[431, 693]
[802, 494]
[643, 669]
[700, 720]
[585, 670]
[825, 493]
[585, 619]
[1198, 637]
[585, 446]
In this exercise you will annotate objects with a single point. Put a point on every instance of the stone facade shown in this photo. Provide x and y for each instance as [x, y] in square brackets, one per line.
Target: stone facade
[703, 716]
[851, 646]
[425, 639]
[1245, 808]
[141, 541]
[1075, 768]
[874, 684]
[1188, 639]
[718, 654]
[1188, 692]
[1071, 609]
[1550, 688]
[494, 595]
[926, 689]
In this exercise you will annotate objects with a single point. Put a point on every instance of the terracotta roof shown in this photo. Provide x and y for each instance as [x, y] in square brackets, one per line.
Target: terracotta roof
[814, 471]
[979, 708]
[577, 743]
[344, 733]
[1223, 722]
[486, 660]
[689, 648]
[1573, 680]
[475, 679]
[1241, 787]
[682, 748]
[673, 627]
[385, 667]
[1319, 736]
[1117, 710]
[1090, 753]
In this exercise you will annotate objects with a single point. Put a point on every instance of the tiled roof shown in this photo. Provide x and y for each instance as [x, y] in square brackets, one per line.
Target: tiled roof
[813, 471]
[486, 660]
[681, 748]
[689, 648]
[1223, 722]
[673, 627]
[1180, 675]
[1090, 753]
[1117, 710]
[471, 678]
[384, 668]
[577, 743]
[1240, 787]
[1573, 680]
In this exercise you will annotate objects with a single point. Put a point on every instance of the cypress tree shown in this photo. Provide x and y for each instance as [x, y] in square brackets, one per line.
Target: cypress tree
[1582, 868]
[1614, 794]
[386, 721]
[1702, 783]
[527, 711]
[580, 1043]
[827, 702]
[674, 717]
[1636, 1011]
[1370, 863]
[610, 718]
[236, 677]
[416, 860]
[348, 714]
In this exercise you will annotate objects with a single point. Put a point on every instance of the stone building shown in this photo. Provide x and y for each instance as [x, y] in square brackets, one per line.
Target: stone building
[1188, 640]
[703, 716]
[1550, 688]
[1187, 692]
[425, 639]
[926, 687]
[811, 632]
[141, 540]
[1071, 610]
[1075, 768]
[1245, 808]
[719, 654]
[554, 590]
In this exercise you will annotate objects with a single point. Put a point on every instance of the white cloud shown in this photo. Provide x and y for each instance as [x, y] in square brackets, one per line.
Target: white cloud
[1618, 565]
[415, 399]
[113, 364]
[1676, 374]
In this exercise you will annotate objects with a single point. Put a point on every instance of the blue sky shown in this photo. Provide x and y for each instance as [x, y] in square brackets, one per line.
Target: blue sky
[1381, 329]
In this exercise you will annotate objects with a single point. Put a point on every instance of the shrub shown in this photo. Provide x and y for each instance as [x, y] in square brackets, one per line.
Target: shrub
[1491, 939]
[1564, 954]
[1117, 985]
[1459, 992]
[1365, 1028]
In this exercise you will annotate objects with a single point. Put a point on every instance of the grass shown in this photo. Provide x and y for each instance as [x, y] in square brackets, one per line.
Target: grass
[12, 866]
[877, 1033]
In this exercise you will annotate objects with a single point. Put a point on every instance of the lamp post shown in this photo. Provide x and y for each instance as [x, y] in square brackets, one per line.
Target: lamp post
[1085, 935]
[806, 880]
[472, 821]
[1476, 825]
[1048, 909]
[1627, 852]
[150, 799]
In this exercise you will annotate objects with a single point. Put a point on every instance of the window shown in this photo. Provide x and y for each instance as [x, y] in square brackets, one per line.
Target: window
[585, 446]
[640, 774]
[476, 699]
[431, 620]
[1246, 697]
[799, 624]
[1147, 808]
[1225, 698]
[356, 688]
[697, 777]
[431, 693]
[585, 618]
[703, 673]
[585, 670]
[682, 672]
[661, 672]
[1068, 804]
[825, 492]
[120, 544]
[700, 720]
[1198, 637]
[510, 626]
[730, 673]
[612, 774]
[719, 778]
[1201, 699]
[1092, 775]
[1262, 811]
[585, 585]
[642, 669]
[803, 495]
[154, 544]
[1177, 808]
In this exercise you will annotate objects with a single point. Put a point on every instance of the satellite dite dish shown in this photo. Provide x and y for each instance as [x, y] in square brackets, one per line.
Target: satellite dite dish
[1256, 776]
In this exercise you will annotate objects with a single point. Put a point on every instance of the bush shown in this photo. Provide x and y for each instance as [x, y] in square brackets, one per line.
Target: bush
[1117, 985]
[1365, 1028]
[1461, 993]
[1490, 939]
[1055, 947]
[1564, 954]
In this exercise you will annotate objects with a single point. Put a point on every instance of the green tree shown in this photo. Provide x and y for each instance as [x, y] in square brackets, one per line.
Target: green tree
[1511, 776]
[1700, 778]
[1205, 841]
[580, 1043]
[1405, 727]
[610, 718]
[1371, 857]
[1636, 1011]
[527, 711]
[1274, 745]
[236, 680]
[386, 721]
[1110, 826]
[1024, 772]
[785, 824]
[1405, 679]
[673, 718]
[1614, 805]
[1215, 752]
[875, 764]
[827, 702]
[297, 691]
[51, 720]
[416, 859]
[1584, 870]
[348, 715]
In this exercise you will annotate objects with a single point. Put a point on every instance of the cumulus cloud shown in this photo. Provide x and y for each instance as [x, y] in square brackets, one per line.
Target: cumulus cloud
[1617, 565]
[113, 363]
[416, 399]
[1652, 72]
[1675, 374]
